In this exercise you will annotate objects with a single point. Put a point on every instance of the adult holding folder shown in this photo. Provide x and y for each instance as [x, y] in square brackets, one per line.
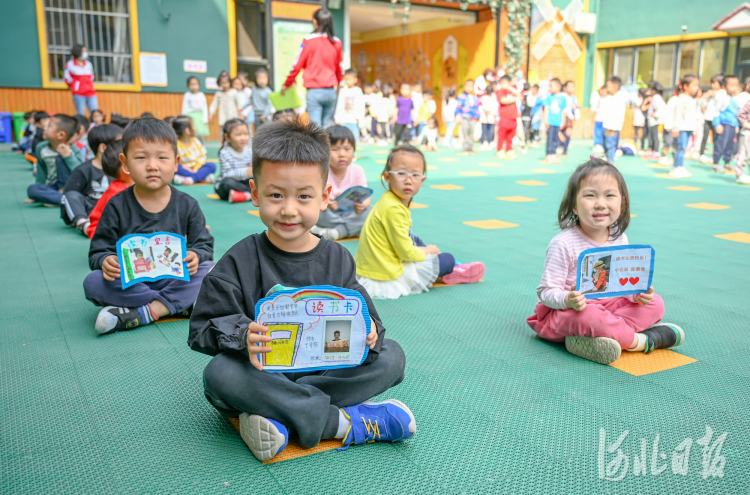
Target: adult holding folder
[320, 56]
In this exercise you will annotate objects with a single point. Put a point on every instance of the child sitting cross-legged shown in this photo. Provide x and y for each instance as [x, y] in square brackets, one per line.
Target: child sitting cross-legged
[192, 167]
[390, 261]
[56, 159]
[235, 160]
[149, 156]
[595, 212]
[88, 181]
[112, 167]
[290, 167]
[333, 223]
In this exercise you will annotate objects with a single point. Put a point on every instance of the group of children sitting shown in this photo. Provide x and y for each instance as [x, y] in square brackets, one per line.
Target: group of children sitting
[293, 175]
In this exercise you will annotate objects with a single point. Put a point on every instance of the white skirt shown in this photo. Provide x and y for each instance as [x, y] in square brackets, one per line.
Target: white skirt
[418, 277]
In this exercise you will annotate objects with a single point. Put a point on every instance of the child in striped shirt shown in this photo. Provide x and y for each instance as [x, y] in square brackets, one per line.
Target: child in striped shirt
[236, 162]
[193, 167]
[595, 212]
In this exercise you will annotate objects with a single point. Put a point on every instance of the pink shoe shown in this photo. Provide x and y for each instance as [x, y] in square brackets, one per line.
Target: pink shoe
[465, 274]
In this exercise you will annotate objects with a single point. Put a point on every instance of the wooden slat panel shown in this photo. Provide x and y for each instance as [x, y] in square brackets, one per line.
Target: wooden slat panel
[127, 104]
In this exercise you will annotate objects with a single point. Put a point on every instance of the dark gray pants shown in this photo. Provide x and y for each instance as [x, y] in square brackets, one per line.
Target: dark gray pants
[76, 206]
[307, 402]
[228, 184]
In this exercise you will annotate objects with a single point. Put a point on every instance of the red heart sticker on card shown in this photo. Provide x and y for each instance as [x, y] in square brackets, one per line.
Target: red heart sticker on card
[623, 281]
[634, 280]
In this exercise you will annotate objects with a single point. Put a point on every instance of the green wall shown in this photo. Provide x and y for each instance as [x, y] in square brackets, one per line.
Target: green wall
[21, 68]
[633, 19]
[196, 29]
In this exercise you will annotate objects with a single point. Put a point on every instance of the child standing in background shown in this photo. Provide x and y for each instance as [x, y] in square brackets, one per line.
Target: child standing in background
[424, 112]
[639, 121]
[572, 113]
[467, 113]
[350, 105]
[384, 107]
[655, 107]
[227, 100]
[708, 105]
[596, 106]
[488, 114]
[554, 105]
[683, 123]
[391, 262]
[333, 223]
[595, 212]
[507, 97]
[194, 106]
[449, 118]
[726, 123]
[192, 167]
[614, 117]
[235, 160]
[262, 107]
[404, 115]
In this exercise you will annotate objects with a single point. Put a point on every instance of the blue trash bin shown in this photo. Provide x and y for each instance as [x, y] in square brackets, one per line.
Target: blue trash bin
[6, 127]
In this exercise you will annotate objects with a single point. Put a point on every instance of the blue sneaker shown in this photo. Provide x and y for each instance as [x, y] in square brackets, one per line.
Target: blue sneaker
[387, 421]
[264, 436]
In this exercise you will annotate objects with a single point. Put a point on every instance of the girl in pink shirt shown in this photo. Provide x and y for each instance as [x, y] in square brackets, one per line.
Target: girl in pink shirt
[334, 223]
[595, 212]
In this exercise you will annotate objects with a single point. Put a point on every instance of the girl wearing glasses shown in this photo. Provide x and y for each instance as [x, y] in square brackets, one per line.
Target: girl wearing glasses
[391, 262]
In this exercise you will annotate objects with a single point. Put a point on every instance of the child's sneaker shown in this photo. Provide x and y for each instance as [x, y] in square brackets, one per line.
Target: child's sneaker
[188, 181]
[178, 179]
[602, 350]
[113, 319]
[705, 159]
[501, 155]
[510, 155]
[387, 421]
[238, 196]
[743, 179]
[663, 336]
[465, 274]
[210, 178]
[265, 437]
[718, 169]
[680, 173]
[330, 234]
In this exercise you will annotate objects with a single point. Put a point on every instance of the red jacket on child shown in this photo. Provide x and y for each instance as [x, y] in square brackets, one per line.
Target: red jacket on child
[116, 186]
[80, 78]
[321, 60]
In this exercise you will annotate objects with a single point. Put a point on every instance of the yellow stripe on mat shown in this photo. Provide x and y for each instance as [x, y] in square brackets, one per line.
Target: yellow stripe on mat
[638, 363]
[292, 450]
[213, 196]
[254, 212]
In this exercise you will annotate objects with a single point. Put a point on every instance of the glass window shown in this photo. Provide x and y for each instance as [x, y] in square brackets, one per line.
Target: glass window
[644, 66]
[712, 56]
[624, 64]
[688, 58]
[731, 56]
[665, 65]
[743, 74]
[602, 71]
[744, 57]
[102, 26]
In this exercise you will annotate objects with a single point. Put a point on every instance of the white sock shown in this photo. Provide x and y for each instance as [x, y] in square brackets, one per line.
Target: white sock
[641, 346]
[343, 426]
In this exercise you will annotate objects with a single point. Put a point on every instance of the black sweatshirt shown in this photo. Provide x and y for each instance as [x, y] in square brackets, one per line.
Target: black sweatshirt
[243, 276]
[123, 215]
[87, 180]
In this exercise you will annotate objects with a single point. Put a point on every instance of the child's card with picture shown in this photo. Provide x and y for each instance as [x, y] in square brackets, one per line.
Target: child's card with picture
[314, 328]
[615, 271]
[151, 257]
[351, 196]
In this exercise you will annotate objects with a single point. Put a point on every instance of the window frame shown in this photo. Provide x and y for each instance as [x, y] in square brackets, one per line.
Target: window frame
[135, 86]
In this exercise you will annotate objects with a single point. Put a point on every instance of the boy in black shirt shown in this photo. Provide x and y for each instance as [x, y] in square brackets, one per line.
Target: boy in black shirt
[290, 169]
[150, 205]
[88, 182]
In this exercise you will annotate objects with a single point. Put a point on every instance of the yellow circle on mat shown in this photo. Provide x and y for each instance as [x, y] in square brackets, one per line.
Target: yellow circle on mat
[633, 215]
[254, 212]
[664, 176]
[516, 199]
[543, 171]
[684, 188]
[381, 161]
[446, 187]
[708, 206]
[448, 159]
[381, 152]
[431, 167]
[473, 173]
[491, 164]
[416, 206]
[531, 183]
[658, 165]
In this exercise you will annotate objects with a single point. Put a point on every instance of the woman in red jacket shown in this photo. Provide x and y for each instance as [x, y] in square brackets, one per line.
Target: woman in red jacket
[320, 57]
[79, 75]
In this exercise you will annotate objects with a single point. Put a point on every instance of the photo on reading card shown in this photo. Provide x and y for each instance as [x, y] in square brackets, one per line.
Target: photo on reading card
[151, 257]
[595, 272]
[337, 332]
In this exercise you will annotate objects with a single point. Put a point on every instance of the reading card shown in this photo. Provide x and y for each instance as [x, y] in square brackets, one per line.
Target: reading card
[356, 194]
[150, 257]
[314, 328]
[615, 271]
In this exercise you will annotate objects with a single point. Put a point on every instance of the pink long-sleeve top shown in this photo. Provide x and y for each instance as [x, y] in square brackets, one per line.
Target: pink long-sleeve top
[561, 265]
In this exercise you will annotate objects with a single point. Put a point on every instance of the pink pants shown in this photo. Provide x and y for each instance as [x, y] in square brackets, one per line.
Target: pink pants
[615, 317]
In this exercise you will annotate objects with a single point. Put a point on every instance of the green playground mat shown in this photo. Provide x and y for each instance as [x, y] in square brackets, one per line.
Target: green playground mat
[498, 410]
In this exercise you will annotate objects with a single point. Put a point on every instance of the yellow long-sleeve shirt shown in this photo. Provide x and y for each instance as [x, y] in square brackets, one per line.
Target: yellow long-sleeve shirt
[384, 243]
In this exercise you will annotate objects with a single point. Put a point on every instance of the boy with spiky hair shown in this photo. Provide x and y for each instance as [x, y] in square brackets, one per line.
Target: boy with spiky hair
[290, 170]
[149, 156]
